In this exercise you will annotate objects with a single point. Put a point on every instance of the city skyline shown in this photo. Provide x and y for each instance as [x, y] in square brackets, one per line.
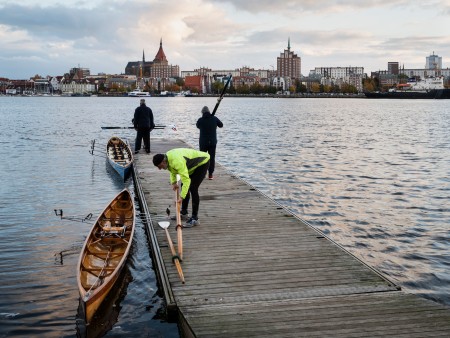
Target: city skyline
[51, 38]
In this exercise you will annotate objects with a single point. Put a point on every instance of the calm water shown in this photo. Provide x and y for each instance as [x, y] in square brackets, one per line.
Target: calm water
[372, 175]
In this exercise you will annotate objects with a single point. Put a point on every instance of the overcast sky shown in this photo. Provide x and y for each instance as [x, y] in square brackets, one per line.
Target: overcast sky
[48, 37]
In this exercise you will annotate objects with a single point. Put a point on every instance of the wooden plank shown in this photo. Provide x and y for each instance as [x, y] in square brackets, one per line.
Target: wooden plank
[253, 269]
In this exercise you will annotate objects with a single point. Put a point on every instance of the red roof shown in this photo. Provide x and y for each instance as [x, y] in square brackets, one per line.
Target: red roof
[160, 56]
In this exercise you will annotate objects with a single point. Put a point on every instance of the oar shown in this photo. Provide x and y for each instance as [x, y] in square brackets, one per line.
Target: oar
[179, 226]
[156, 127]
[175, 257]
[221, 95]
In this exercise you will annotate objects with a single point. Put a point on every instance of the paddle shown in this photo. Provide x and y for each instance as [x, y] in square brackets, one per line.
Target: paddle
[179, 226]
[175, 257]
[221, 95]
[156, 127]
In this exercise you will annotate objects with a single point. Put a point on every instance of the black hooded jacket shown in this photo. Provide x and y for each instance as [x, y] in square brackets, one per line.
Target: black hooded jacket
[143, 117]
[208, 125]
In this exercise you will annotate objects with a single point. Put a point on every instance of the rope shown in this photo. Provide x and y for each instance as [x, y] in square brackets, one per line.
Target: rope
[99, 275]
[174, 257]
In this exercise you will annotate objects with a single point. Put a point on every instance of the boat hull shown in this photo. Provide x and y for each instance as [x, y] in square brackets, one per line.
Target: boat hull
[120, 156]
[105, 252]
[431, 94]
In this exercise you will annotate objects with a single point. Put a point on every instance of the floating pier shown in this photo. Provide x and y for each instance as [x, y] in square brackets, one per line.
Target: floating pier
[253, 269]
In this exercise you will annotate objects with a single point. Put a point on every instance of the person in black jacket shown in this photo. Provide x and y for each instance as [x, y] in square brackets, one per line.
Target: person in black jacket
[208, 124]
[143, 124]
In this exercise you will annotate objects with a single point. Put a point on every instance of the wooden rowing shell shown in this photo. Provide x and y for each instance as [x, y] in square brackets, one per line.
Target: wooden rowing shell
[105, 252]
[120, 156]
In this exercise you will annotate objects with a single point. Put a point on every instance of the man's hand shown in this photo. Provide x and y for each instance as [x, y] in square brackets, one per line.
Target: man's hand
[175, 187]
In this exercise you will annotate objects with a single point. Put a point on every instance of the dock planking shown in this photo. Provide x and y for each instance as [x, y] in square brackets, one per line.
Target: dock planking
[253, 269]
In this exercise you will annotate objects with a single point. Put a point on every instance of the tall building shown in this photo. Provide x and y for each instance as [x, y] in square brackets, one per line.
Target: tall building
[433, 62]
[393, 68]
[160, 67]
[157, 69]
[289, 64]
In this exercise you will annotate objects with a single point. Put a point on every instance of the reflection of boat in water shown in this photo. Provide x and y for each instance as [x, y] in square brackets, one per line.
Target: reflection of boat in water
[429, 88]
[138, 93]
[108, 313]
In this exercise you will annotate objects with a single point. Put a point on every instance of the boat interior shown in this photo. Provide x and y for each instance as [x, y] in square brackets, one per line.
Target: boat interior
[119, 151]
[108, 242]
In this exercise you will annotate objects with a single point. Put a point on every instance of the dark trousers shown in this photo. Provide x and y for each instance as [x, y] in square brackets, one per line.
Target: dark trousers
[142, 134]
[196, 179]
[211, 150]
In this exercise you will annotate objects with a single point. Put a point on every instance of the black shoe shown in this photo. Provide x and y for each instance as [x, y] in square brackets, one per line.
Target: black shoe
[183, 217]
[191, 223]
[136, 151]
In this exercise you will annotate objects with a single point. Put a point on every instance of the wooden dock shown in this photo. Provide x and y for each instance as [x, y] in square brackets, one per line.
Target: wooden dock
[253, 269]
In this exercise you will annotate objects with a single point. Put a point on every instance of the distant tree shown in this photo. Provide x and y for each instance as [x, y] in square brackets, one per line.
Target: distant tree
[180, 82]
[327, 89]
[243, 89]
[315, 87]
[270, 89]
[101, 87]
[256, 88]
[348, 88]
[217, 87]
[299, 87]
[370, 85]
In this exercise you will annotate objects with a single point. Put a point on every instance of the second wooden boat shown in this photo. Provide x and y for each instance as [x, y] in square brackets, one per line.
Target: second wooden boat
[105, 252]
[120, 156]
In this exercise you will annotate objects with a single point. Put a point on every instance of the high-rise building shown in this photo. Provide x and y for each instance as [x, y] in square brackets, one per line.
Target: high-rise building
[393, 68]
[289, 64]
[433, 62]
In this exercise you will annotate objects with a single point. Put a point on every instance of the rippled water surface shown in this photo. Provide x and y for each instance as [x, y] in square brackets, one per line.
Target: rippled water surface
[373, 175]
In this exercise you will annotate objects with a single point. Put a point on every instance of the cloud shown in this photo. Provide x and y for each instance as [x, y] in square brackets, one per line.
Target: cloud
[105, 35]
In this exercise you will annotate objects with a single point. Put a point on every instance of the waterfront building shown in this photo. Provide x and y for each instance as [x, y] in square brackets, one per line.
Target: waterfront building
[77, 86]
[289, 64]
[240, 76]
[340, 75]
[195, 83]
[157, 73]
[393, 68]
[433, 62]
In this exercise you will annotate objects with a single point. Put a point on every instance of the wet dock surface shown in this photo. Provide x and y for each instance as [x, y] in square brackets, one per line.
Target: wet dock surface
[253, 269]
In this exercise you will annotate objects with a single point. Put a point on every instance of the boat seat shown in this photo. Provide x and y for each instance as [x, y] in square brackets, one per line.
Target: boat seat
[113, 231]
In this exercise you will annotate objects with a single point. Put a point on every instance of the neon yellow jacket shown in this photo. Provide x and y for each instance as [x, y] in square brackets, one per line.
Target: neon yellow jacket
[183, 161]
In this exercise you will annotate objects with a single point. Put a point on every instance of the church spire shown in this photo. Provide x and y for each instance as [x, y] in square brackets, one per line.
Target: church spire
[289, 43]
[160, 56]
[143, 57]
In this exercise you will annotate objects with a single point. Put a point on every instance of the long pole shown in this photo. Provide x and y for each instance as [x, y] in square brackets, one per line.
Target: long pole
[179, 226]
[221, 95]
[175, 257]
[156, 127]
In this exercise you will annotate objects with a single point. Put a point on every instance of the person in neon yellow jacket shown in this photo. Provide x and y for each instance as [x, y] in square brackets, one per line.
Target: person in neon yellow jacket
[192, 166]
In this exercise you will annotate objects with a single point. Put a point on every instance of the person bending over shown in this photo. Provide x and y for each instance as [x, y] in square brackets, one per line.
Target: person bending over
[192, 166]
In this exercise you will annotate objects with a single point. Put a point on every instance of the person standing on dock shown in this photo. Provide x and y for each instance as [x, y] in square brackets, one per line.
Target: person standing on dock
[208, 124]
[192, 166]
[143, 124]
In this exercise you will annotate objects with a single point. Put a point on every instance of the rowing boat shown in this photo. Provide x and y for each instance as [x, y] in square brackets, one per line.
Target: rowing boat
[105, 252]
[120, 156]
